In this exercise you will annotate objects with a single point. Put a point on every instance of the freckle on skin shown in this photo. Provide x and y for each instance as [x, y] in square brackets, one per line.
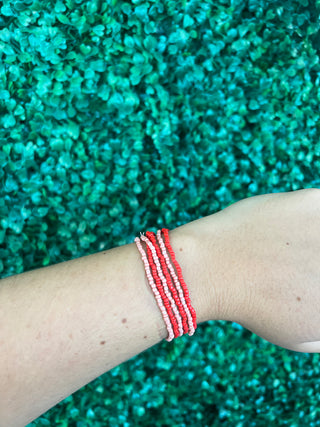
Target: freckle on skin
[180, 249]
[70, 336]
[145, 337]
[124, 320]
[287, 243]
[102, 342]
[298, 298]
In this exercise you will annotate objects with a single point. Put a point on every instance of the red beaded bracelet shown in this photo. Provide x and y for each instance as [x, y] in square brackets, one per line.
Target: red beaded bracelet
[174, 302]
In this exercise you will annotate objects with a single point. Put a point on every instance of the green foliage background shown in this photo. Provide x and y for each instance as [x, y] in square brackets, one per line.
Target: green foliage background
[118, 117]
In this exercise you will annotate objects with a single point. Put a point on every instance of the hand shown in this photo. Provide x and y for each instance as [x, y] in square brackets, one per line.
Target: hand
[275, 239]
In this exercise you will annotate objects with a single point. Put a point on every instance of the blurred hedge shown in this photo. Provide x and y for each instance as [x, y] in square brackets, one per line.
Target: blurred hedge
[118, 117]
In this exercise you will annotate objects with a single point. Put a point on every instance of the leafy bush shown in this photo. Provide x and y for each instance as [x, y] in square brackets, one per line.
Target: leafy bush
[118, 117]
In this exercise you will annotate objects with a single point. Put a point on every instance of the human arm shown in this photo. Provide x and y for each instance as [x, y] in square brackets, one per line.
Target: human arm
[64, 325]
[255, 263]
[275, 239]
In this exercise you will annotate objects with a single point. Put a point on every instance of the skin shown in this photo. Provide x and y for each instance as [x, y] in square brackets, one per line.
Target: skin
[64, 325]
[255, 263]
[273, 241]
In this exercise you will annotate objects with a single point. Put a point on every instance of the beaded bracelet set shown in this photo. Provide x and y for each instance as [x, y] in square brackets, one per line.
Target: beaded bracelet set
[172, 299]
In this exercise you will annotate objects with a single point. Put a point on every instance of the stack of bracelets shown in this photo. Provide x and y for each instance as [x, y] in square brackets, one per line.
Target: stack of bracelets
[173, 301]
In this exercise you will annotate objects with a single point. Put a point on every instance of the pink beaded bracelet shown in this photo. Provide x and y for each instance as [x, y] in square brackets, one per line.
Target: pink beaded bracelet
[174, 302]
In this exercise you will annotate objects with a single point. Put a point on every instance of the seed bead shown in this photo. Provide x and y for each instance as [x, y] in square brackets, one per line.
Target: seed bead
[154, 289]
[178, 268]
[186, 313]
[167, 283]
[174, 290]
[154, 262]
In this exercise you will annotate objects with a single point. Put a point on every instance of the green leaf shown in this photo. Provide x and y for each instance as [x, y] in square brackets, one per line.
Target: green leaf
[188, 21]
[65, 160]
[5, 35]
[99, 65]
[85, 49]
[241, 44]
[88, 174]
[253, 105]
[73, 130]
[6, 10]
[7, 49]
[60, 7]
[128, 41]
[141, 12]
[98, 30]
[10, 185]
[92, 6]
[4, 94]
[8, 121]
[63, 19]
[126, 8]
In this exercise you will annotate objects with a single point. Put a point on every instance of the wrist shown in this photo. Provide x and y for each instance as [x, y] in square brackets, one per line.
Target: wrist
[202, 252]
[214, 267]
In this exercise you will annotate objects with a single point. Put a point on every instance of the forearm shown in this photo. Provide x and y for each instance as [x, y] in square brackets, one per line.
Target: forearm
[64, 325]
